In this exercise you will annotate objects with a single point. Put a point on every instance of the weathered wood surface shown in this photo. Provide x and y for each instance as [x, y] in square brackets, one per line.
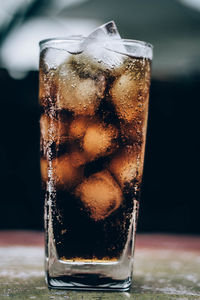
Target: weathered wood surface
[166, 267]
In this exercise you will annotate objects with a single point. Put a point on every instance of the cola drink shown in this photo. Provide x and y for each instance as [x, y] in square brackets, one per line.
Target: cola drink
[93, 128]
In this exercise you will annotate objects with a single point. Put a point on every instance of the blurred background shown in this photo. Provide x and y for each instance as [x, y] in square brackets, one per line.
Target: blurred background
[170, 199]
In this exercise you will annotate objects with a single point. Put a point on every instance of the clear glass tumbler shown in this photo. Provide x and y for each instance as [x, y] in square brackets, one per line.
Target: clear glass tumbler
[93, 129]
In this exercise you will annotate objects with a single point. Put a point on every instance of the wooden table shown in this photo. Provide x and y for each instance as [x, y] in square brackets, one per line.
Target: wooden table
[166, 267]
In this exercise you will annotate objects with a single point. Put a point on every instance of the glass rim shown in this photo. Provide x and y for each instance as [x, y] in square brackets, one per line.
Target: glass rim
[75, 38]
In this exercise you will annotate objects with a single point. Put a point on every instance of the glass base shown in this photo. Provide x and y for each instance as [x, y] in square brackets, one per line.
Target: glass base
[88, 282]
[90, 274]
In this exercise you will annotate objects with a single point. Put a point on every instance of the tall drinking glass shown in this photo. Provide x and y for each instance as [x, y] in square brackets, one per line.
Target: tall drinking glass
[93, 128]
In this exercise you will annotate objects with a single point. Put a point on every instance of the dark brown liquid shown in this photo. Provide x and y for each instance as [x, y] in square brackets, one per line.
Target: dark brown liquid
[94, 157]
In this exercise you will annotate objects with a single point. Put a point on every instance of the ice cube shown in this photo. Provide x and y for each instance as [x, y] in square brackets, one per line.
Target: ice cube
[76, 94]
[125, 94]
[81, 79]
[135, 130]
[51, 58]
[126, 166]
[54, 130]
[65, 175]
[99, 140]
[77, 157]
[101, 43]
[130, 90]
[100, 194]
[85, 67]
[106, 31]
[78, 127]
